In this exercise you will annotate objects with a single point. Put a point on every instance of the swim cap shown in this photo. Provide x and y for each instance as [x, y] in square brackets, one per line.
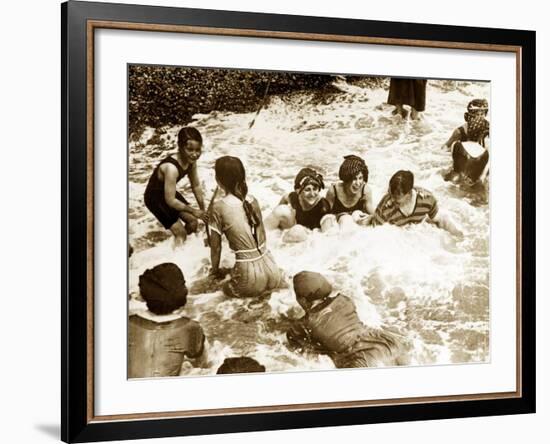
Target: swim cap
[352, 165]
[307, 176]
[311, 285]
[474, 106]
[163, 288]
[478, 128]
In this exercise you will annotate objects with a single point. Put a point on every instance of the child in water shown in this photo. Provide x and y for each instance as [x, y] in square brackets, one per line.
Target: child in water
[406, 204]
[170, 208]
[351, 199]
[302, 208]
[238, 216]
[162, 338]
[468, 145]
[331, 326]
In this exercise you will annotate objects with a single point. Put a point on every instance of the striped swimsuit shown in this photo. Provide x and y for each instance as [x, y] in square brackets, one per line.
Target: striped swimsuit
[388, 211]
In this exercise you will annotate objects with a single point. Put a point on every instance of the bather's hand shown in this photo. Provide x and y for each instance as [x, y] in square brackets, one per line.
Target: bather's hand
[219, 273]
[200, 214]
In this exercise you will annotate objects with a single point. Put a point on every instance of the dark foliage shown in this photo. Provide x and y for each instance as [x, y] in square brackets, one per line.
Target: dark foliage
[160, 96]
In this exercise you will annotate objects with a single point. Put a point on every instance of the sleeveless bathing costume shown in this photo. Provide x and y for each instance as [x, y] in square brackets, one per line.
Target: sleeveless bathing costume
[311, 218]
[340, 209]
[154, 195]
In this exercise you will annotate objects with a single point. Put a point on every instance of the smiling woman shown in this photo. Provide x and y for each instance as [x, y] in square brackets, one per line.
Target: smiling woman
[170, 208]
[304, 206]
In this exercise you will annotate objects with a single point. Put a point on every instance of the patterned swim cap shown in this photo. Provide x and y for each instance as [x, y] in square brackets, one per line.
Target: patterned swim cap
[475, 107]
[478, 128]
[308, 176]
[352, 165]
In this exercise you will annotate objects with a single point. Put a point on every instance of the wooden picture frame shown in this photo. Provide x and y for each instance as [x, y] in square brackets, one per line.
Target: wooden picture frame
[80, 20]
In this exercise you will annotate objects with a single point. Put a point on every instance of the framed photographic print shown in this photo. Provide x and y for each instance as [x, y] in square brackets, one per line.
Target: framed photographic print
[275, 221]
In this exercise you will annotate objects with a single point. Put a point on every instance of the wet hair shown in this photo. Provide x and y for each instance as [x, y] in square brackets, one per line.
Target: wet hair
[401, 183]
[231, 174]
[188, 133]
[242, 364]
[352, 165]
[163, 288]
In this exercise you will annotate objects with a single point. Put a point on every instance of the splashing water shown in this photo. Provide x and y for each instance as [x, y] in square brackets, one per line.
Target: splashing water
[418, 279]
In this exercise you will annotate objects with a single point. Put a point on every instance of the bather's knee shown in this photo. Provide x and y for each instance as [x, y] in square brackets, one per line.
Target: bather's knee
[191, 226]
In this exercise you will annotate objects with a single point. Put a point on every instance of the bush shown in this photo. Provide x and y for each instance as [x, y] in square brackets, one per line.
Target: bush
[160, 96]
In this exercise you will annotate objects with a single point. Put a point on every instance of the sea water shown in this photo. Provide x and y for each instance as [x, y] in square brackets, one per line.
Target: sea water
[418, 280]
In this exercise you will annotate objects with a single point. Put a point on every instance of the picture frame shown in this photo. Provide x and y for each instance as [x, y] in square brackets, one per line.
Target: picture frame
[80, 21]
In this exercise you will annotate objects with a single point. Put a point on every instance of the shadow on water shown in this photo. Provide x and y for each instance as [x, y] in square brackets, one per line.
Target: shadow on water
[51, 430]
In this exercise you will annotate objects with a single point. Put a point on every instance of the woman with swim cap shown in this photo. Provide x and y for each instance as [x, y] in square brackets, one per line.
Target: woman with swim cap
[332, 326]
[351, 199]
[468, 145]
[304, 206]
[162, 338]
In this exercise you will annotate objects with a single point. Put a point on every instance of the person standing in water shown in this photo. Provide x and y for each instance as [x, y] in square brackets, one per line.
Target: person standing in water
[406, 204]
[351, 199]
[170, 208]
[237, 215]
[410, 92]
[304, 206]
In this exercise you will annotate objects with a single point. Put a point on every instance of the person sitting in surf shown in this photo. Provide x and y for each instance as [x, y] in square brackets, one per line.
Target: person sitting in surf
[469, 146]
[238, 216]
[351, 199]
[304, 207]
[170, 208]
[406, 204]
[161, 339]
[331, 326]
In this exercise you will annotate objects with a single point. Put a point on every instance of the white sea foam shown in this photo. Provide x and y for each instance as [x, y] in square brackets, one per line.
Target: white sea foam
[420, 280]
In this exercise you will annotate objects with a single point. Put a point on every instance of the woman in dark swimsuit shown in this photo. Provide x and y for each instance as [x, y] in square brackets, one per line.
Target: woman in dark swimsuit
[303, 207]
[170, 208]
[351, 199]
[468, 146]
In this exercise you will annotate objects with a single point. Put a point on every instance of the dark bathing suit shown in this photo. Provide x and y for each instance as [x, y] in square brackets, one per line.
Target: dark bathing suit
[309, 218]
[340, 209]
[154, 195]
[464, 163]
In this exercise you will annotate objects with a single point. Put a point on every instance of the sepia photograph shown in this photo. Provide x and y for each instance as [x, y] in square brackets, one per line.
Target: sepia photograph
[291, 221]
